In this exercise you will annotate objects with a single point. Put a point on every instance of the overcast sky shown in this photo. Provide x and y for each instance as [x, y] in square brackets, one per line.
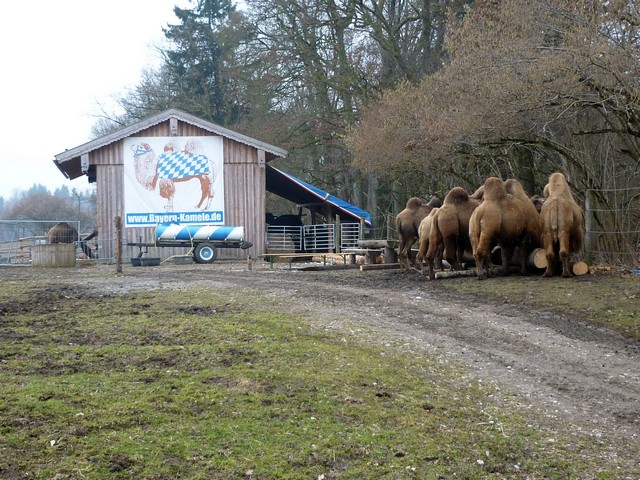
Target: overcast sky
[59, 59]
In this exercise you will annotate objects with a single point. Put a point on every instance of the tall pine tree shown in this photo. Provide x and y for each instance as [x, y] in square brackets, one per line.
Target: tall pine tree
[199, 62]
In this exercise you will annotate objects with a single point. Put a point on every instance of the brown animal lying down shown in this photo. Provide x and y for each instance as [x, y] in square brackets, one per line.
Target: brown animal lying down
[62, 232]
[508, 220]
[407, 225]
[449, 229]
[561, 222]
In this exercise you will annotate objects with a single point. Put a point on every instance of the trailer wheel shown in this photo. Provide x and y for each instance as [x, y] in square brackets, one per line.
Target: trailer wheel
[205, 253]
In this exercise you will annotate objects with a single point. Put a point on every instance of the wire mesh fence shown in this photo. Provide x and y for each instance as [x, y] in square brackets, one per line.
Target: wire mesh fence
[612, 226]
[17, 238]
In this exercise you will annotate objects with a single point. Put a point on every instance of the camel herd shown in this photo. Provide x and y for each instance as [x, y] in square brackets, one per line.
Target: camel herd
[498, 216]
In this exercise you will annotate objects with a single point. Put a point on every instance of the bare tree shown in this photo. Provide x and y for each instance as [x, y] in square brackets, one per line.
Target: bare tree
[531, 87]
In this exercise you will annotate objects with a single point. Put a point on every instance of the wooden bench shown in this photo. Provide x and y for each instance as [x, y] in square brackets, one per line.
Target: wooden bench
[370, 254]
[373, 248]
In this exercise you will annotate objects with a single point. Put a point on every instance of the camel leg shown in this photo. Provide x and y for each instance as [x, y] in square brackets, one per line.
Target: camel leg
[520, 254]
[564, 256]
[412, 260]
[422, 252]
[506, 253]
[432, 273]
[460, 253]
[404, 262]
[167, 190]
[208, 205]
[434, 252]
[481, 255]
[438, 259]
[481, 267]
[434, 258]
[523, 262]
[450, 253]
[203, 189]
[401, 253]
[548, 250]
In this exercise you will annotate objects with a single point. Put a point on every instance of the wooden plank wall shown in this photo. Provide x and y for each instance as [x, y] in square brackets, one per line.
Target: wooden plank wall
[244, 181]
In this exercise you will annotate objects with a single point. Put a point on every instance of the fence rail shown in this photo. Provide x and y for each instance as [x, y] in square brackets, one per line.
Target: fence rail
[312, 238]
[283, 238]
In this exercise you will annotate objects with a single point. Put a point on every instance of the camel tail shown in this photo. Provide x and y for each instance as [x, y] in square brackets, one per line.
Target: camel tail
[556, 222]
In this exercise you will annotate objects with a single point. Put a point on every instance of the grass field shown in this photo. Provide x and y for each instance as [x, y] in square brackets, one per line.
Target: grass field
[187, 383]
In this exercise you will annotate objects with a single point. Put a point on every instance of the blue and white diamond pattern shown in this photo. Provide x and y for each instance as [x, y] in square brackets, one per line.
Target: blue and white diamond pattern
[176, 165]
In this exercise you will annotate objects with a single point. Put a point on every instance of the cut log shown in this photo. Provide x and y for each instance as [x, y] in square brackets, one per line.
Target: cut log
[379, 266]
[378, 243]
[580, 268]
[494, 271]
[537, 259]
[456, 273]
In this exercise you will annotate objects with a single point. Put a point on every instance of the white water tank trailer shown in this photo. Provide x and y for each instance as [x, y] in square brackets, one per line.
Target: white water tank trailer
[203, 239]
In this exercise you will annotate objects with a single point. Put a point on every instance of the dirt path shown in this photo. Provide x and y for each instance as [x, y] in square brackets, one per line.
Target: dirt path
[563, 371]
[582, 373]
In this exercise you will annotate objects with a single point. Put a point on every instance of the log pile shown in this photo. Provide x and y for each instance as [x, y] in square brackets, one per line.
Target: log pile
[536, 261]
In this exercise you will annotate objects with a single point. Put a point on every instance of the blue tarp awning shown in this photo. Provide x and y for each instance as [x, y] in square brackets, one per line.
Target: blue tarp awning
[300, 192]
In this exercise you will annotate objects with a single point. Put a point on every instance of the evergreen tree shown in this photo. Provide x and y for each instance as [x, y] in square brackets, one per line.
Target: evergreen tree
[198, 64]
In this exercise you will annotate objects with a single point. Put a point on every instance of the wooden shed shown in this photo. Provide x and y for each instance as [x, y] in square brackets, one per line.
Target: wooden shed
[242, 161]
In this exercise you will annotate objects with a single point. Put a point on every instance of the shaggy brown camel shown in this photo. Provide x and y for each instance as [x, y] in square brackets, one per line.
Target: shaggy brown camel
[562, 224]
[62, 232]
[450, 229]
[407, 225]
[503, 219]
[538, 201]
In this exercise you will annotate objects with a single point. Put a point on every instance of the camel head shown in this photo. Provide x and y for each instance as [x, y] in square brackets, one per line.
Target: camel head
[145, 165]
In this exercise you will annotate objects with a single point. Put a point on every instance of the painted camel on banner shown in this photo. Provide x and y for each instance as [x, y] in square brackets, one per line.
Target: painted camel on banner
[173, 166]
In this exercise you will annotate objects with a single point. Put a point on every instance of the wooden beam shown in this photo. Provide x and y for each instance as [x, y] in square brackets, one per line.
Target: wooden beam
[379, 266]
[378, 243]
[456, 273]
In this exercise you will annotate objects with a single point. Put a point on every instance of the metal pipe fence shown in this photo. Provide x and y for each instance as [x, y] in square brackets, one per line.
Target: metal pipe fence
[312, 238]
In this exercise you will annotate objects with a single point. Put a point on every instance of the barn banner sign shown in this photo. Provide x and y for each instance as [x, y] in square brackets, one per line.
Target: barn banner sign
[173, 179]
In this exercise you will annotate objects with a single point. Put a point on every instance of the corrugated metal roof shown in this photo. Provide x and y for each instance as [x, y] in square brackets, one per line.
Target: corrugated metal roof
[159, 118]
[298, 191]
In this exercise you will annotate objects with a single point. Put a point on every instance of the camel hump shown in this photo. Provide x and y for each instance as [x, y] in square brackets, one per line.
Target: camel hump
[558, 186]
[478, 194]
[434, 202]
[515, 188]
[414, 203]
[494, 189]
[456, 195]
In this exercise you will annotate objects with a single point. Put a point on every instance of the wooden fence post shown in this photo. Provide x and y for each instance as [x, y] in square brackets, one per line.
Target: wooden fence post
[118, 222]
[588, 224]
